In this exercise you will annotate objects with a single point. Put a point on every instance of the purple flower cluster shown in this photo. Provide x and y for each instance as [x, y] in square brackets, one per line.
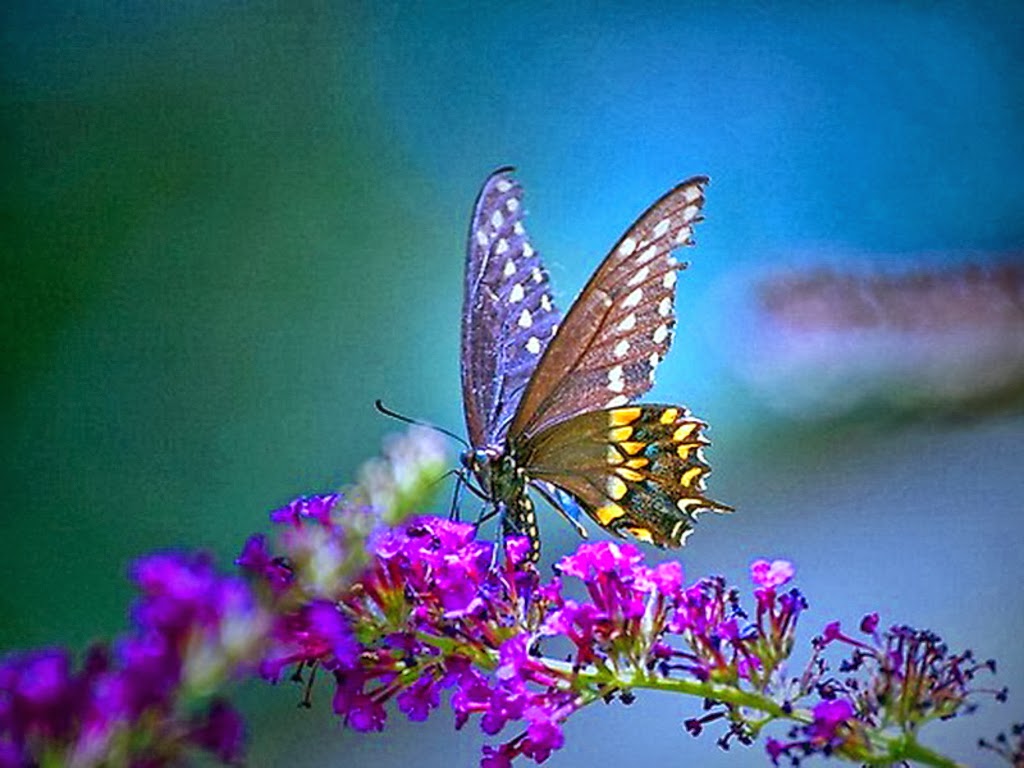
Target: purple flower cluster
[323, 544]
[892, 681]
[433, 613]
[149, 698]
[430, 611]
[402, 617]
[723, 645]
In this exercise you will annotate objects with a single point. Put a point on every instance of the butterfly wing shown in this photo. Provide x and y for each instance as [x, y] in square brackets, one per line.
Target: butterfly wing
[636, 470]
[620, 326]
[508, 316]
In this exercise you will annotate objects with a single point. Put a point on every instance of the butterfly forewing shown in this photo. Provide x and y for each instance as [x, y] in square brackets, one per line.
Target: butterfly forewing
[508, 315]
[620, 326]
[636, 470]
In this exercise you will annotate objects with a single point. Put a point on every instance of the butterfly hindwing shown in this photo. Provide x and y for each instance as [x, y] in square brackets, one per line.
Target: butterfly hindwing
[508, 315]
[637, 470]
[620, 327]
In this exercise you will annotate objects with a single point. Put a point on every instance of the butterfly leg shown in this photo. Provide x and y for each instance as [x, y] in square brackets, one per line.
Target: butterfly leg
[499, 545]
[453, 510]
[462, 481]
[487, 512]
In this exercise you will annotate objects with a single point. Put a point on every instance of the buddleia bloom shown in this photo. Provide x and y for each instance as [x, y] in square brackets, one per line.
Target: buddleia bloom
[437, 614]
[410, 617]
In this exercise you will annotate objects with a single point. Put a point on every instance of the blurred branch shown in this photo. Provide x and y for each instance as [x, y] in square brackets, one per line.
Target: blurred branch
[933, 339]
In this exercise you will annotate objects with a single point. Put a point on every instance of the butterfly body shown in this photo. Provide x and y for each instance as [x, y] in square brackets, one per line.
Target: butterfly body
[504, 482]
[548, 399]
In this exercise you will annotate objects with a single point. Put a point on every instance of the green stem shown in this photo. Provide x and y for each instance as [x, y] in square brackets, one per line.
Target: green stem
[885, 749]
[717, 691]
[907, 748]
[451, 647]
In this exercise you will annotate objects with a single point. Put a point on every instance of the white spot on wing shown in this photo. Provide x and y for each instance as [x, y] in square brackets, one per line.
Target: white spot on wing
[627, 247]
[621, 348]
[662, 227]
[683, 235]
[538, 276]
[616, 382]
[533, 345]
[525, 319]
[660, 333]
[501, 247]
[689, 212]
[665, 306]
[517, 293]
[633, 299]
[518, 228]
[527, 250]
[510, 268]
[512, 204]
[504, 185]
[616, 401]
[654, 360]
[545, 302]
[640, 276]
[481, 237]
[628, 323]
[669, 280]
[647, 255]
[497, 219]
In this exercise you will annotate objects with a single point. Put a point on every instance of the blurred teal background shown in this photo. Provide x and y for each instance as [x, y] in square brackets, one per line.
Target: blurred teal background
[227, 228]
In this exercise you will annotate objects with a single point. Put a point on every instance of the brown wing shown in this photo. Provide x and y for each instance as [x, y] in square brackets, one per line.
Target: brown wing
[620, 326]
[636, 470]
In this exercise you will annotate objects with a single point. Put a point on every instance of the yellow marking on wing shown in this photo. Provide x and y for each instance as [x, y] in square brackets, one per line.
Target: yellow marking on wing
[668, 416]
[643, 534]
[683, 450]
[638, 463]
[612, 456]
[621, 416]
[616, 488]
[629, 474]
[632, 446]
[608, 513]
[687, 478]
[619, 434]
[685, 431]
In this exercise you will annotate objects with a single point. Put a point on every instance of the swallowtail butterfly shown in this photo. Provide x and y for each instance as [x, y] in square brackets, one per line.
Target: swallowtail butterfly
[549, 400]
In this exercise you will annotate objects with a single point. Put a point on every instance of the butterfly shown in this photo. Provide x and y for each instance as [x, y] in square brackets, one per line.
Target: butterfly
[549, 400]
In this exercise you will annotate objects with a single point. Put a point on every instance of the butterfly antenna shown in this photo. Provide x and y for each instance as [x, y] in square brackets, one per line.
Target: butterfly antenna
[379, 405]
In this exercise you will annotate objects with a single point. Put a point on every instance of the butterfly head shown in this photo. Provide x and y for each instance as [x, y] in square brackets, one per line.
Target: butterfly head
[474, 459]
[496, 471]
[480, 462]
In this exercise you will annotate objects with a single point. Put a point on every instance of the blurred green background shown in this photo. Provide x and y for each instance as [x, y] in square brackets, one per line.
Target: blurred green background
[228, 227]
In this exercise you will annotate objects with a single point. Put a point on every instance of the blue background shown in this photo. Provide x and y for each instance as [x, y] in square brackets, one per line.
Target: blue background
[228, 228]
